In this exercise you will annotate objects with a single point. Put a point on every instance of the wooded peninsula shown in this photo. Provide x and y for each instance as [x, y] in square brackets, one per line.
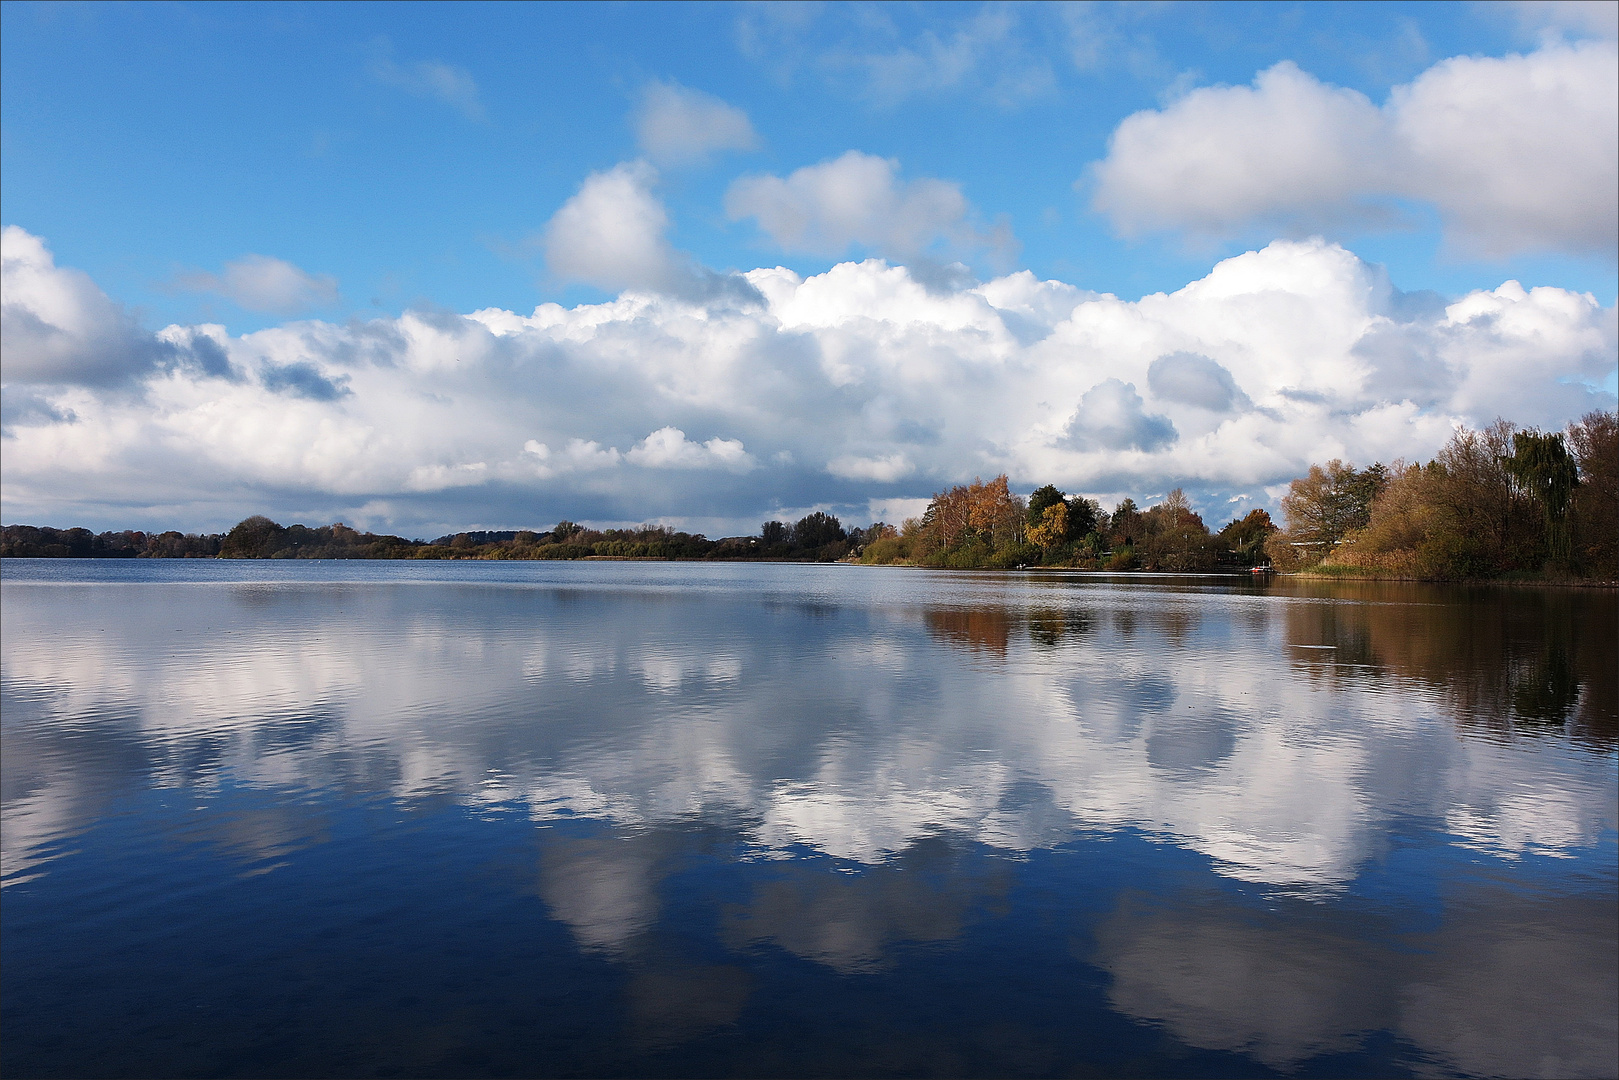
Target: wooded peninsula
[1499, 503]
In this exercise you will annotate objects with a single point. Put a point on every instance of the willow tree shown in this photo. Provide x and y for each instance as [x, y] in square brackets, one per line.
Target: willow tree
[1543, 469]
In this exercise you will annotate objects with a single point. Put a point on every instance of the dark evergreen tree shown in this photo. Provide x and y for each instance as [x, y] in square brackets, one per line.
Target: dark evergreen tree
[817, 530]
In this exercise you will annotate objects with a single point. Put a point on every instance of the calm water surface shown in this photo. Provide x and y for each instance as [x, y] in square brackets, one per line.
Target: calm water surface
[488, 819]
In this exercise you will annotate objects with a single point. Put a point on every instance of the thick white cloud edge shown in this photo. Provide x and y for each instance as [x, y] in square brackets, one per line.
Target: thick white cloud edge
[859, 386]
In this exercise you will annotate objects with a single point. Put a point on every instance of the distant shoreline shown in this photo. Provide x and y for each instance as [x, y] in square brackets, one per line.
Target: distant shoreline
[1217, 572]
[1531, 583]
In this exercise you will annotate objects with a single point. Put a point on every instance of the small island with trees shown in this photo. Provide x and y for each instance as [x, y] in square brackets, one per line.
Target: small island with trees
[1501, 503]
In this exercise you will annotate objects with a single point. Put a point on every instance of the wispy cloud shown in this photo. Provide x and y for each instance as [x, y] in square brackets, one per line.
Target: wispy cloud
[449, 83]
[985, 54]
[859, 200]
[676, 125]
[991, 53]
[265, 283]
[1575, 18]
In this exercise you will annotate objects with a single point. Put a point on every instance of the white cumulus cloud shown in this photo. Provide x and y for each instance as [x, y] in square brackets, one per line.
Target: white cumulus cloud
[611, 234]
[859, 199]
[59, 327]
[1288, 146]
[676, 125]
[881, 469]
[578, 455]
[1517, 153]
[1520, 152]
[668, 448]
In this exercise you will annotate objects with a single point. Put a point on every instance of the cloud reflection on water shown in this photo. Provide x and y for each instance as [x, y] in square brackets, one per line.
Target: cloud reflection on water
[886, 723]
[850, 922]
[852, 732]
[1511, 986]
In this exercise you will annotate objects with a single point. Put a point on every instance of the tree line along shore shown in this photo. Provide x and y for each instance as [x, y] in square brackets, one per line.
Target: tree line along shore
[1496, 503]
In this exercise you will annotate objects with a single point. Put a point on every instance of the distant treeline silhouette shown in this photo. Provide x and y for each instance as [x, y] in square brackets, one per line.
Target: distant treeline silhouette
[817, 537]
[1493, 503]
[40, 542]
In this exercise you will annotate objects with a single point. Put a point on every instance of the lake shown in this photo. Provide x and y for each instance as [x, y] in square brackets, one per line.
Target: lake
[662, 819]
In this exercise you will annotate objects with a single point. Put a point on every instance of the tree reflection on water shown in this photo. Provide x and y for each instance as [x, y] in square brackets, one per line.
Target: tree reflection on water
[1506, 660]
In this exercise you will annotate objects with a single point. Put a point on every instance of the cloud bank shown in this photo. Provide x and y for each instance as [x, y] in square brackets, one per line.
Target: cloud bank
[1517, 154]
[853, 389]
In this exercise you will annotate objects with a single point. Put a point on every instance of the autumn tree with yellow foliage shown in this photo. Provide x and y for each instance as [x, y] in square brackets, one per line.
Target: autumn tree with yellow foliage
[1052, 528]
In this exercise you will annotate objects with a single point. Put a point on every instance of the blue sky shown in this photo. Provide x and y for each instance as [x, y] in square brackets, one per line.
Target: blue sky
[150, 140]
[255, 165]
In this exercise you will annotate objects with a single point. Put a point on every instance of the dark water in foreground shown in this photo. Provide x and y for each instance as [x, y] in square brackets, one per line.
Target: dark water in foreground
[355, 819]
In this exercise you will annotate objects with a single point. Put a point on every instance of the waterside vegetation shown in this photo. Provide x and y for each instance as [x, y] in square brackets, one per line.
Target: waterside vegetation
[1497, 503]
[985, 525]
